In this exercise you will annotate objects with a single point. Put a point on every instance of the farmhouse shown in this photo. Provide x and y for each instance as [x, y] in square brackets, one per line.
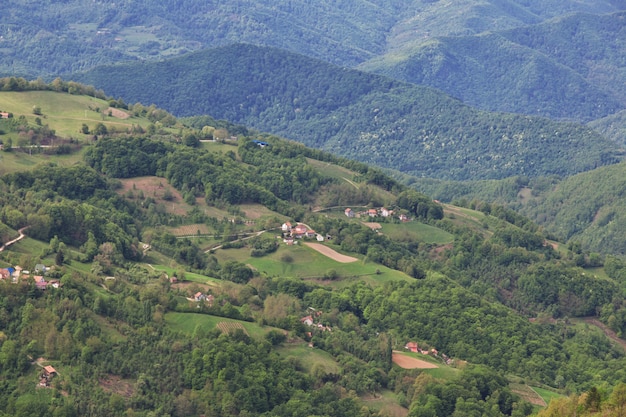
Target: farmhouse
[412, 347]
[308, 320]
[372, 212]
[40, 282]
[5, 273]
[286, 227]
[349, 213]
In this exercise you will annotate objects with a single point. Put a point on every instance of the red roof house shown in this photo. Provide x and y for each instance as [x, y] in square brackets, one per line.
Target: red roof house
[412, 347]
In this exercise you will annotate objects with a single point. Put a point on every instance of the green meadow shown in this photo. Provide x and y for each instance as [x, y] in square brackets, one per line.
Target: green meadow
[189, 322]
[300, 261]
[415, 231]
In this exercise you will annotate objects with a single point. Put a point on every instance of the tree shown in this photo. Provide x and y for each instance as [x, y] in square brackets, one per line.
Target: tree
[191, 140]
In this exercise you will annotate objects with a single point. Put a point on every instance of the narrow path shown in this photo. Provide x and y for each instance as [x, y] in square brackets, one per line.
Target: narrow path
[17, 239]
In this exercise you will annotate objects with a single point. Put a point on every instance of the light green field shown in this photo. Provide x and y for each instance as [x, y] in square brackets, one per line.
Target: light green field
[331, 170]
[310, 357]
[19, 161]
[386, 402]
[187, 323]
[547, 395]
[64, 113]
[415, 231]
[307, 263]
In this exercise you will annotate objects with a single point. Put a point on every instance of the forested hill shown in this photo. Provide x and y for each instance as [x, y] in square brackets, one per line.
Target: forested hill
[49, 38]
[570, 67]
[413, 129]
[166, 282]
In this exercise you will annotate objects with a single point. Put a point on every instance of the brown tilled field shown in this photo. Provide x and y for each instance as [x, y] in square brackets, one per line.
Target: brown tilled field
[332, 254]
[408, 362]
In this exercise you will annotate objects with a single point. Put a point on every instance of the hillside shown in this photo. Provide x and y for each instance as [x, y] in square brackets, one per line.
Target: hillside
[413, 129]
[547, 69]
[172, 285]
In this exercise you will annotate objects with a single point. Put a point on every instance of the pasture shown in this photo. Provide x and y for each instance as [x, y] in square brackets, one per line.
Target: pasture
[192, 322]
[417, 232]
[300, 261]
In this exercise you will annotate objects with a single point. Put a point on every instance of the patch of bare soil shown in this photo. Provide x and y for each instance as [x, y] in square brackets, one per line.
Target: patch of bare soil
[120, 114]
[156, 188]
[117, 385]
[408, 362]
[332, 254]
[373, 225]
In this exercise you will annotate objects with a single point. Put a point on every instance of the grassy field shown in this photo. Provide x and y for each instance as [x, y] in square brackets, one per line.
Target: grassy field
[65, 113]
[310, 357]
[302, 262]
[187, 323]
[546, 395]
[20, 161]
[415, 231]
[386, 402]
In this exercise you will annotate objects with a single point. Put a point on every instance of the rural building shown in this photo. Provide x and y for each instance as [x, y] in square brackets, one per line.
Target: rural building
[348, 212]
[372, 212]
[412, 347]
[385, 212]
[308, 320]
[286, 227]
[40, 282]
[4, 273]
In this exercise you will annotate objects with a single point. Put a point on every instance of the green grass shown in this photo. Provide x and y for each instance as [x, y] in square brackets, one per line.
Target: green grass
[307, 263]
[547, 395]
[310, 357]
[415, 231]
[63, 112]
[331, 170]
[19, 161]
[187, 323]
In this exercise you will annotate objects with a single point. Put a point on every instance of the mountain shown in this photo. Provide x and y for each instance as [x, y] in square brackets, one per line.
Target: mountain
[413, 129]
[566, 68]
[51, 38]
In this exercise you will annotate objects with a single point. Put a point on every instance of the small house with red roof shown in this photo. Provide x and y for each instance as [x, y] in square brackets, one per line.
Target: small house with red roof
[372, 212]
[349, 213]
[412, 347]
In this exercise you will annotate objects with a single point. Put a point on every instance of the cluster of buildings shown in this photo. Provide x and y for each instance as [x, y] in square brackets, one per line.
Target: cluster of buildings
[313, 321]
[375, 212]
[414, 347]
[299, 231]
[17, 273]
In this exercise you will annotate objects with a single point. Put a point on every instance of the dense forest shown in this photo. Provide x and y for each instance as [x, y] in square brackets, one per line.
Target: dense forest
[546, 69]
[376, 120]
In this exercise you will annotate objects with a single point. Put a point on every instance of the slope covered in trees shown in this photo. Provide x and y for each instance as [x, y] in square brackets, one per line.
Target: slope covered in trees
[60, 37]
[124, 337]
[568, 68]
[412, 129]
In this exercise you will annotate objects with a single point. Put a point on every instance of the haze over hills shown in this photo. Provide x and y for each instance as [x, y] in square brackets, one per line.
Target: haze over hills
[461, 47]
[569, 67]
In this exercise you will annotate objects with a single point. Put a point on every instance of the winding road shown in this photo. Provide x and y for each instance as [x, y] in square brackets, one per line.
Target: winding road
[17, 239]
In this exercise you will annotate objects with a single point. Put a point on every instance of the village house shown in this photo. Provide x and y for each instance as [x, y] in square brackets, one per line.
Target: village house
[412, 347]
[319, 238]
[40, 282]
[349, 213]
[308, 320]
[299, 231]
[385, 212]
[286, 227]
[46, 376]
[372, 212]
[288, 240]
[403, 218]
[310, 233]
[5, 273]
